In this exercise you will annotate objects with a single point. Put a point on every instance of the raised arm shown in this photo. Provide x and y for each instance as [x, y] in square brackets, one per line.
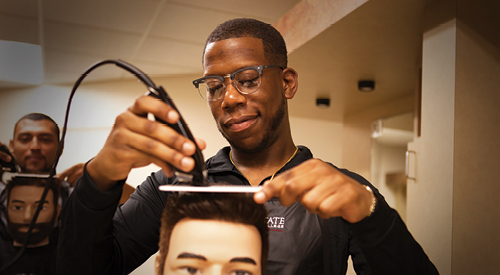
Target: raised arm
[97, 236]
[136, 141]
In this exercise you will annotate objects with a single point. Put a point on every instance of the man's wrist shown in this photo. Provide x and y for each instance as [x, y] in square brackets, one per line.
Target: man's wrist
[373, 200]
[102, 182]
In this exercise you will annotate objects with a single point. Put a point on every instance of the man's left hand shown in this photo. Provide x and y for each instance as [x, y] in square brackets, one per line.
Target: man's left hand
[321, 189]
[72, 174]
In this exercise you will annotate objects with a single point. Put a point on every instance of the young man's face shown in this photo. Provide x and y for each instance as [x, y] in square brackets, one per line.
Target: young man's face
[21, 206]
[213, 247]
[34, 145]
[249, 122]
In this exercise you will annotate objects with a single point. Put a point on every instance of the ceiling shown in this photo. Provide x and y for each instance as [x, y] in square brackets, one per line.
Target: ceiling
[380, 41]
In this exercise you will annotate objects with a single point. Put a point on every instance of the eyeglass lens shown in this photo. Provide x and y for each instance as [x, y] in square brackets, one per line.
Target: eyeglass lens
[246, 82]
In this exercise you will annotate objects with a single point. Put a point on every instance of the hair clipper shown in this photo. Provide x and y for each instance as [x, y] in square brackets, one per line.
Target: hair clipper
[198, 176]
[10, 166]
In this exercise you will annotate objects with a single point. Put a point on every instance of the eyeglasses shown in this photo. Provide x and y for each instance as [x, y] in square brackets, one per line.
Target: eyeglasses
[246, 81]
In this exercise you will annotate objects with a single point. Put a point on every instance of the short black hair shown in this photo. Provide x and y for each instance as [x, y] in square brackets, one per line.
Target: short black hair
[38, 117]
[272, 40]
[236, 208]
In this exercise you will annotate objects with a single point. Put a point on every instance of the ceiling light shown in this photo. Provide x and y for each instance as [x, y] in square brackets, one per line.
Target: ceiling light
[323, 102]
[366, 85]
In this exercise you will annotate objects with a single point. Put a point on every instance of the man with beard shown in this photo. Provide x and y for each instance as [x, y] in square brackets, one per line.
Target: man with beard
[23, 198]
[34, 148]
[319, 215]
[35, 141]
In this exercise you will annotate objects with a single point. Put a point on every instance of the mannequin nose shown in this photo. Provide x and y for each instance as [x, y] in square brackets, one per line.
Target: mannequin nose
[214, 270]
[28, 213]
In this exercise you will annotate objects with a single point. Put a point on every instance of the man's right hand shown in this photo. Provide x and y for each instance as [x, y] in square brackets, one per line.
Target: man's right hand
[136, 141]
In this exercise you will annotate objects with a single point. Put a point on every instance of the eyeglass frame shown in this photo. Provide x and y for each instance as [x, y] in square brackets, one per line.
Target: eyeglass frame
[259, 69]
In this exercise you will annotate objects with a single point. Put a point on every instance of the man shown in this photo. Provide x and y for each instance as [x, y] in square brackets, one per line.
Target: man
[330, 213]
[35, 141]
[34, 148]
[23, 198]
[212, 234]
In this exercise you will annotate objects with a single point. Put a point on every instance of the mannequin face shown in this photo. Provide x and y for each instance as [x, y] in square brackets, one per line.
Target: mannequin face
[213, 247]
[22, 204]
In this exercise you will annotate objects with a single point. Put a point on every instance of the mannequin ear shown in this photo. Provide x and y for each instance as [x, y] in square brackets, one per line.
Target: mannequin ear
[290, 82]
[157, 264]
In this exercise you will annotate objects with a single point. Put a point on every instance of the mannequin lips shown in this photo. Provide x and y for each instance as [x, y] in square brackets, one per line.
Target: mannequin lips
[25, 228]
[40, 232]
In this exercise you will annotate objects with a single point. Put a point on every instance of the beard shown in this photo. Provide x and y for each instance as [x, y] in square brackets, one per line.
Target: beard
[39, 233]
[267, 136]
[31, 167]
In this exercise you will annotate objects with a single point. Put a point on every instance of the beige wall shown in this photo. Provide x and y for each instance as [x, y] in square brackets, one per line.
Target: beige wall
[452, 205]
[429, 209]
[324, 138]
[476, 173]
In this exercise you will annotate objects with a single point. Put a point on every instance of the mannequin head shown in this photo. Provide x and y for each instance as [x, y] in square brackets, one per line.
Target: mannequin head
[212, 233]
[23, 198]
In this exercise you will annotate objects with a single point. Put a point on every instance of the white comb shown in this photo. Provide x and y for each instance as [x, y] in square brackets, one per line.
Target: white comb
[211, 188]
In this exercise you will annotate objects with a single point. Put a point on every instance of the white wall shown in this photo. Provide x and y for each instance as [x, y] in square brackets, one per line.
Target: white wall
[324, 138]
[16, 103]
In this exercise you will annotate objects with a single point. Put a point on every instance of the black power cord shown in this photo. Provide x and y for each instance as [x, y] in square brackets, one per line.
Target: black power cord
[196, 177]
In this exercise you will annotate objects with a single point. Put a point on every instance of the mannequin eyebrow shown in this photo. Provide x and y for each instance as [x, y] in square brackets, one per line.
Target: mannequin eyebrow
[187, 255]
[243, 260]
[21, 201]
